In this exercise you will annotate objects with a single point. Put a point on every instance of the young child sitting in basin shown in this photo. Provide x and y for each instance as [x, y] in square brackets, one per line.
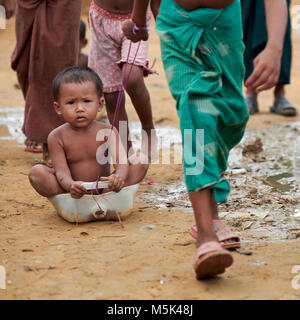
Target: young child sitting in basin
[78, 147]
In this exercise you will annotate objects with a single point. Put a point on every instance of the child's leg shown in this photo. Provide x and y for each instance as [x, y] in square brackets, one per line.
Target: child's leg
[204, 212]
[214, 206]
[232, 241]
[136, 88]
[136, 174]
[210, 259]
[44, 181]
[140, 98]
[111, 103]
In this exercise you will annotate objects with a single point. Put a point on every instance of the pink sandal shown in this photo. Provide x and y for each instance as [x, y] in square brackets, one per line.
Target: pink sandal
[223, 233]
[211, 259]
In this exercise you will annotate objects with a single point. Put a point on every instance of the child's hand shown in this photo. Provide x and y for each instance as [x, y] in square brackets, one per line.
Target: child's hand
[77, 190]
[128, 30]
[116, 183]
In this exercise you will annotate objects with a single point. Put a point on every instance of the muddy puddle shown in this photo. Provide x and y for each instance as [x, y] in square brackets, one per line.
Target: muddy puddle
[11, 121]
[264, 201]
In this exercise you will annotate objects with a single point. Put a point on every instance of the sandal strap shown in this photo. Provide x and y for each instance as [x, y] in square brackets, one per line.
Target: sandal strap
[223, 232]
[207, 247]
[282, 103]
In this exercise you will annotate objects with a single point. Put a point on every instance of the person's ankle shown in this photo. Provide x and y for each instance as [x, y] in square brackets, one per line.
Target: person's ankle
[251, 95]
[279, 94]
[201, 240]
[279, 91]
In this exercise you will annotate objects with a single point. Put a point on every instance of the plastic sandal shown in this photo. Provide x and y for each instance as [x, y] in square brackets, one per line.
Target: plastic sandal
[211, 259]
[223, 233]
[283, 107]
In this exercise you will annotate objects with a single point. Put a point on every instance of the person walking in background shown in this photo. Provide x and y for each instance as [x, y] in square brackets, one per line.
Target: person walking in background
[109, 52]
[47, 42]
[259, 47]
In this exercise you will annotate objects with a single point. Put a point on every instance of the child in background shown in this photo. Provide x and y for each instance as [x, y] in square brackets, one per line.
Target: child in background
[82, 58]
[108, 54]
[73, 146]
[202, 51]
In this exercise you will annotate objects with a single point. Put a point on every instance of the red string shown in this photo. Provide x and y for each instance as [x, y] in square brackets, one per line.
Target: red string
[118, 104]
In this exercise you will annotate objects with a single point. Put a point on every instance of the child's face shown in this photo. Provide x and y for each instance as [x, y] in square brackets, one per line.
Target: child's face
[78, 103]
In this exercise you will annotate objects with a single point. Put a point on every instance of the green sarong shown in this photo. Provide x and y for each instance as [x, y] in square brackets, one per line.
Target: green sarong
[256, 36]
[202, 51]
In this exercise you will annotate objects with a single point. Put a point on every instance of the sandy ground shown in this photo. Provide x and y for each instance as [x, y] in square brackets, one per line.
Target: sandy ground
[151, 258]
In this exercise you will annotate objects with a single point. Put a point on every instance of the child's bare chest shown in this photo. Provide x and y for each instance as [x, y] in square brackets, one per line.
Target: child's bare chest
[116, 6]
[82, 148]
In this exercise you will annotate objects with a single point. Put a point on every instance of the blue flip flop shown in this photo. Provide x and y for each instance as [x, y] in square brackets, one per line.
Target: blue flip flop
[283, 107]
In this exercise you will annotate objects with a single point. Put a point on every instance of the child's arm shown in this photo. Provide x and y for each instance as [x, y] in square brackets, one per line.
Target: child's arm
[62, 171]
[268, 63]
[120, 162]
[155, 4]
[138, 22]
[139, 12]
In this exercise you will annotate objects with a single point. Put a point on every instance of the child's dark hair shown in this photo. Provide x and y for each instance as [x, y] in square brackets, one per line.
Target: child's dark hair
[76, 75]
[82, 30]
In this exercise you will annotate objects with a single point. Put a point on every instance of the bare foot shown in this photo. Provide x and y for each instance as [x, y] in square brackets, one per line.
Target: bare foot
[33, 146]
